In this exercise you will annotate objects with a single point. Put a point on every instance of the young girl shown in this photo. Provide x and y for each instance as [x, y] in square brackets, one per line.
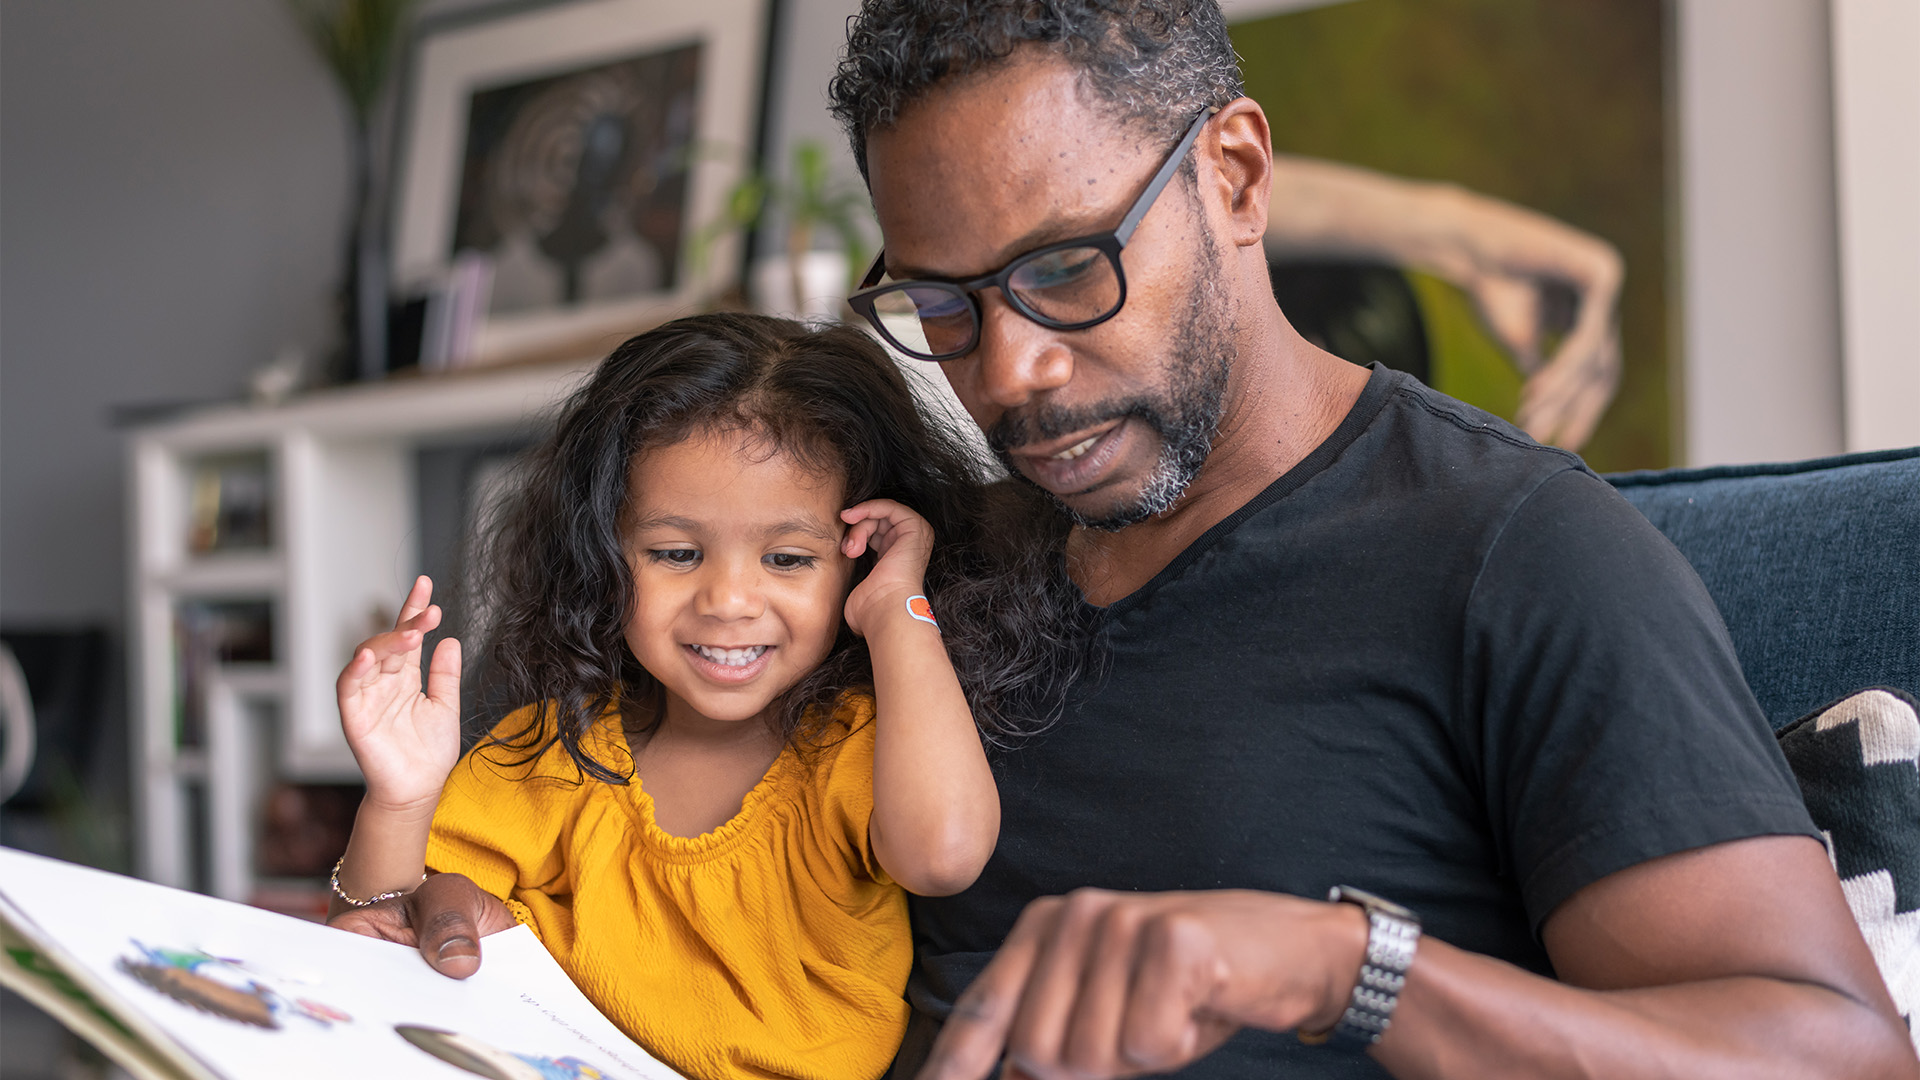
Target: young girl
[747, 733]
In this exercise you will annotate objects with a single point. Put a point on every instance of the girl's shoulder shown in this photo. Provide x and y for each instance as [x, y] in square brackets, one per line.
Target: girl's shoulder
[836, 755]
[834, 767]
[846, 728]
[525, 747]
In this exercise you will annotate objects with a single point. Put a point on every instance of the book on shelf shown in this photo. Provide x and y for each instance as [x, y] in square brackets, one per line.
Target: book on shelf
[172, 985]
[230, 504]
[209, 635]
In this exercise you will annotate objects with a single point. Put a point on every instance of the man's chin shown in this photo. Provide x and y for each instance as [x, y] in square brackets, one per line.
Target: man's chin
[1101, 508]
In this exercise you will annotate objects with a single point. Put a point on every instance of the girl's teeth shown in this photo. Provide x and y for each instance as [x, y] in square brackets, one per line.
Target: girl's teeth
[731, 657]
[1076, 449]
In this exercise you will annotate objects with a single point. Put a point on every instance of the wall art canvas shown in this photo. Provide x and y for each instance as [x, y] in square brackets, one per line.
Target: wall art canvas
[575, 148]
[1477, 191]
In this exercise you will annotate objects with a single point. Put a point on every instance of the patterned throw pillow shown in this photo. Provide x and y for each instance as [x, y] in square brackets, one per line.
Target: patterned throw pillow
[1858, 763]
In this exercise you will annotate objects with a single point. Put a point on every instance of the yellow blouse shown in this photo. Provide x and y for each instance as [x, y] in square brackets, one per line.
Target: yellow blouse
[774, 946]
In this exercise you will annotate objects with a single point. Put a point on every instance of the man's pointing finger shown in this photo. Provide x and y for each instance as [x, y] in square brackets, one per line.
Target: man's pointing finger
[975, 1035]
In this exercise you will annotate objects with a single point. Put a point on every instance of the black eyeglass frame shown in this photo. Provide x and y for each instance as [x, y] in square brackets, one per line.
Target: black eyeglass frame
[1110, 244]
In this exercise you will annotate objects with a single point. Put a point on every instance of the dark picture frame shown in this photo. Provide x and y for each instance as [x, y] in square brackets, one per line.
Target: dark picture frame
[578, 147]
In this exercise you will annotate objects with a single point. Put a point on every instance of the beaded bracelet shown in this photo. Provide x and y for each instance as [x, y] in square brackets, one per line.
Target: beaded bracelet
[334, 882]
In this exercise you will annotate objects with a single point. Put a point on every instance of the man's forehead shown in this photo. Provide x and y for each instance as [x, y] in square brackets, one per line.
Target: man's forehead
[987, 165]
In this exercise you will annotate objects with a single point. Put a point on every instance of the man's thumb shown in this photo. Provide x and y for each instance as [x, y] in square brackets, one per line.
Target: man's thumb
[445, 912]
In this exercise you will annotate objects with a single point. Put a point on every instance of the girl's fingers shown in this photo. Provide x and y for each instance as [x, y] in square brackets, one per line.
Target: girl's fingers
[354, 676]
[423, 621]
[883, 536]
[875, 508]
[855, 543]
[416, 602]
[443, 675]
[383, 655]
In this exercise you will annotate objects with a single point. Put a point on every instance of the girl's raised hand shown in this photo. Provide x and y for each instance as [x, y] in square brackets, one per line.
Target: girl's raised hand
[405, 740]
[903, 540]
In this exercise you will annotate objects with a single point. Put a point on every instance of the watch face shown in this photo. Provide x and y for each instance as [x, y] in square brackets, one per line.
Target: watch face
[1347, 894]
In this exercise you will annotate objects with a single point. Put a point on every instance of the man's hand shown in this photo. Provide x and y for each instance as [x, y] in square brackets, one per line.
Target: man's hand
[1728, 962]
[446, 917]
[1120, 984]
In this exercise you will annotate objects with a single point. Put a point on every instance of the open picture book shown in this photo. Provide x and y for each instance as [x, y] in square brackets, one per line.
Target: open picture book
[172, 985]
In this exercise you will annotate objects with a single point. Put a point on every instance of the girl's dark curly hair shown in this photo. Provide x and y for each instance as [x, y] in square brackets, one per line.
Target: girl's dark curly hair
[555, 589]
[1153, 62]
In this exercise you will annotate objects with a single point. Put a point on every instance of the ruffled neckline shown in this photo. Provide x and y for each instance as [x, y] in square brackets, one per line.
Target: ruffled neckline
[707, 846]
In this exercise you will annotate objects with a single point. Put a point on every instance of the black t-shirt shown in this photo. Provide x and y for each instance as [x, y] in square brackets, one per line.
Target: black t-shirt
[1436, 661]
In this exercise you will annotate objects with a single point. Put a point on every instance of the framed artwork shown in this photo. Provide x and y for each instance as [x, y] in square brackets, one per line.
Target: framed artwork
[1477, 191]
[573, 149]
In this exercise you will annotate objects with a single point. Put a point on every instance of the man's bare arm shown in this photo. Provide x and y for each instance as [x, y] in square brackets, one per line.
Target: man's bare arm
[1739, 960]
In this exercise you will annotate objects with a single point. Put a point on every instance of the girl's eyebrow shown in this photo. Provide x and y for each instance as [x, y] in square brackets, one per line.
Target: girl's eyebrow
[678, 524]
[803, 526]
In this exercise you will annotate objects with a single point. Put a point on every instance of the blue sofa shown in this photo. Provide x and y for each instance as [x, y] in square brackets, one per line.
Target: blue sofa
[1815, 566]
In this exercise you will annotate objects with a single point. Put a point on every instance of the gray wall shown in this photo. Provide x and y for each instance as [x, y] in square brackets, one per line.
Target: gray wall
[172, 177]
[172, 185]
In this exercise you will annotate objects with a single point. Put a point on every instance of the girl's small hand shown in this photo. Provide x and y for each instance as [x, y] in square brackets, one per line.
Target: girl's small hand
[406, 741]
[903, 540]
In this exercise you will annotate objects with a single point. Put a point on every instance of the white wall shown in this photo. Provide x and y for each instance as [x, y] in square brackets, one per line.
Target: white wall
[808, 40]
[1876, 57]
[1760, 352]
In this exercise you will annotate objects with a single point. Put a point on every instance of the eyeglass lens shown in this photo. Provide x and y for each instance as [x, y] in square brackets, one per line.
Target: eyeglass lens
[1063, 287]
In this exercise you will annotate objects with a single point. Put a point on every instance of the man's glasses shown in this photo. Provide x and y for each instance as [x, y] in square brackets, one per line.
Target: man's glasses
[1070, 285]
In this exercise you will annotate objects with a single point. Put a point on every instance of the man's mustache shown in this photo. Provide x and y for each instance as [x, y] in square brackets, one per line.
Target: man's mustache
[1019, 428]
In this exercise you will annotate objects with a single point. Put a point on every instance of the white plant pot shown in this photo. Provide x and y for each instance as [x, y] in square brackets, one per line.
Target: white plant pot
[823, 284]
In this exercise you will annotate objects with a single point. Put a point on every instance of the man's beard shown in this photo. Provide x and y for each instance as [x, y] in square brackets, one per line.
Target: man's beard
[1185, 414]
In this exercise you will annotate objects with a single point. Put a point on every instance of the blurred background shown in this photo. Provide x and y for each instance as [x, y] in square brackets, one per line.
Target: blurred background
[285, 284]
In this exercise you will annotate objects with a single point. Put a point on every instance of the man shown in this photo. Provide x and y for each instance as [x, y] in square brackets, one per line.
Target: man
[1359, 635]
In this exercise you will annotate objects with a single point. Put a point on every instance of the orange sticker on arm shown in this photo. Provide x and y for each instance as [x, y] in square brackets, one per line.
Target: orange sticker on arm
[918, 607]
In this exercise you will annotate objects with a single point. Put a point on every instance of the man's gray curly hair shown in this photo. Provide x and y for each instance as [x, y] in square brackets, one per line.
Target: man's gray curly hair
[1156, 62]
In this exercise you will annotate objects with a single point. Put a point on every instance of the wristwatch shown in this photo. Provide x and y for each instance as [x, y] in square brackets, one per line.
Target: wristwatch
[1393, 932]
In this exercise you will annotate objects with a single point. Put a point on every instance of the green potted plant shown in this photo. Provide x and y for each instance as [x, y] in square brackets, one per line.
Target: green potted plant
[357, 41]
[809, 200]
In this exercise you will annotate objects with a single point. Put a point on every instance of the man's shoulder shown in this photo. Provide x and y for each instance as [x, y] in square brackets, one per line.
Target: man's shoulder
[1407, 453]
[1424, 427]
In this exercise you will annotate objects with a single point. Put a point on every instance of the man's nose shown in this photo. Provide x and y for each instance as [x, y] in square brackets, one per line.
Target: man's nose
[1017, 358]
[731, 589]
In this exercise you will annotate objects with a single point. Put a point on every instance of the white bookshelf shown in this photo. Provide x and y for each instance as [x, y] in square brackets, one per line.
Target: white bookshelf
[343, 543]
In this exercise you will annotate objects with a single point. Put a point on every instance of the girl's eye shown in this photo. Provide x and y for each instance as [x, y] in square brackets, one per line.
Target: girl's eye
[675, 556]
[781, 560]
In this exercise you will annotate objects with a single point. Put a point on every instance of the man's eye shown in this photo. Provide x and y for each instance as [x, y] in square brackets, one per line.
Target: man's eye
[781, 560]
[675, 556]
[1066, 268]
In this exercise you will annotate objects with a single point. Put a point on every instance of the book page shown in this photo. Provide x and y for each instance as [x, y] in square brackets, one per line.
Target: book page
[31, 975]
[250, 994]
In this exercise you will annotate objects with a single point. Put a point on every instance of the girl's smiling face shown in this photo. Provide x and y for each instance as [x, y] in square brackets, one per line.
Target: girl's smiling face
[738, 576]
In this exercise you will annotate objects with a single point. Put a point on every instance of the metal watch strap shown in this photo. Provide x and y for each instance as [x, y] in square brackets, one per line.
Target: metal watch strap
[1393, 933]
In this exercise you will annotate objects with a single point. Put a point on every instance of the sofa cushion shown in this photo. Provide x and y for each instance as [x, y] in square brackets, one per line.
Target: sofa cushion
[1858, 763]
[1815, 567]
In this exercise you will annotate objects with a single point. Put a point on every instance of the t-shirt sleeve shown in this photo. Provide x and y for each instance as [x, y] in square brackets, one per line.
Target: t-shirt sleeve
[1615, 723]
[499, 822]
[842, 857]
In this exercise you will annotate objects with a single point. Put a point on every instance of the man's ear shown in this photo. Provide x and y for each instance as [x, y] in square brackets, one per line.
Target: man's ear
[1241, 149]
